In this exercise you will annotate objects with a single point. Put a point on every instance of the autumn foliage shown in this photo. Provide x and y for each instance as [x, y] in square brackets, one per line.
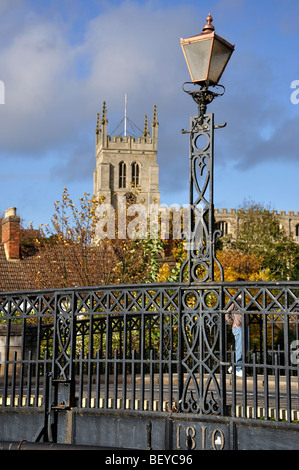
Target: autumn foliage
[70, 255]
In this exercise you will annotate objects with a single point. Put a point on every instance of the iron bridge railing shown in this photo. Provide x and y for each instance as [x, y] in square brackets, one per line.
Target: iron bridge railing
[152, 347]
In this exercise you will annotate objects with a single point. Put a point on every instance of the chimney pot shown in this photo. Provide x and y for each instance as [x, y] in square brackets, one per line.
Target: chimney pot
[11, 212]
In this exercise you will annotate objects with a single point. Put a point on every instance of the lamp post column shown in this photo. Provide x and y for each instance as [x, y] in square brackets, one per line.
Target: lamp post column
[201, 239]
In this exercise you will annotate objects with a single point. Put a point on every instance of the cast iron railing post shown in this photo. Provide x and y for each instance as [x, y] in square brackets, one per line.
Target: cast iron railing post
[223, 354]
[63, 372]
[180, 349]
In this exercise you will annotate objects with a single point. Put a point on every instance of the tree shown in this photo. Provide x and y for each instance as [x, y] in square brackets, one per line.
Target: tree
[259, 234]
[235, 264]
[70, 255]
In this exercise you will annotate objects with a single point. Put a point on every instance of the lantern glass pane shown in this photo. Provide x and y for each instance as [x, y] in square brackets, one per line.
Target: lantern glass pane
[198, 56]
[220, 56]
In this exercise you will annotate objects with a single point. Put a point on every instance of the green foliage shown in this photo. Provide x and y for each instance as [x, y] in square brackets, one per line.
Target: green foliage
[152, 252]
[260, 234]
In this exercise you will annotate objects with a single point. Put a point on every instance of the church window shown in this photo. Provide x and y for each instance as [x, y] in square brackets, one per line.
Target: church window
[135, 174]
[122, 168]
[297, 230]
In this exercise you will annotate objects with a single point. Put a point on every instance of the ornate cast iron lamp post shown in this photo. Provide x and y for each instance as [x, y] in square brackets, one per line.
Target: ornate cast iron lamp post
[206, 56]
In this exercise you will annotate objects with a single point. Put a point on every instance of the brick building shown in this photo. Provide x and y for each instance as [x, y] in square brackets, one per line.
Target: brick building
[24, 267]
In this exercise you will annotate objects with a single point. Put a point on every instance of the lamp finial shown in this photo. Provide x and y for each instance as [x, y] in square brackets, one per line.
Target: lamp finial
[208, 27]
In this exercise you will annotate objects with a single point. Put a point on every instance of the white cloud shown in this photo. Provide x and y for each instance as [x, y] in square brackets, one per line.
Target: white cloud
[35, 69]
[136, 49]
[54, 88]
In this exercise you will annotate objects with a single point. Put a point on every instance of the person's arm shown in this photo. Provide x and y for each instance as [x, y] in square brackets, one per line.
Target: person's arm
[228, 316]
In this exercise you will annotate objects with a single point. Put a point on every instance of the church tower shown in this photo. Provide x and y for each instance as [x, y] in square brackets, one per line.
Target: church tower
[127, 166]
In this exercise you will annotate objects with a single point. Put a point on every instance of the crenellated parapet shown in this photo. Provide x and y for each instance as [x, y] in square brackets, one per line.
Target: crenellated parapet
[228, 220]
[279, 213]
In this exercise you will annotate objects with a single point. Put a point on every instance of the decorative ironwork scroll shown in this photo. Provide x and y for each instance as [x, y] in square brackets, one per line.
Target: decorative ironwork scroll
[201, 327]
[64, 338]
[201, 237]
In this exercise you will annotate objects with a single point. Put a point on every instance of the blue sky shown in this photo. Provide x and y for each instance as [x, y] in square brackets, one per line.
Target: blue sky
[60, 59]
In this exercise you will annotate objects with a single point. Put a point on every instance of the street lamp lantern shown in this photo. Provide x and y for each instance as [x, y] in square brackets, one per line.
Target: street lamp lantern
[206, 55]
